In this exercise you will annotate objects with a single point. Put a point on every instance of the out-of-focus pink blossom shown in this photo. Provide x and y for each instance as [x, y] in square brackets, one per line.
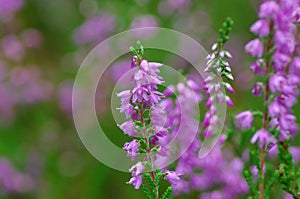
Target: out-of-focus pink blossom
[8, 8]
[32, 38]
[94, 29]
[12, 48]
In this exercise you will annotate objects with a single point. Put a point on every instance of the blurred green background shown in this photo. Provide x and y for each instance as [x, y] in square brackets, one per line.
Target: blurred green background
[42, 45]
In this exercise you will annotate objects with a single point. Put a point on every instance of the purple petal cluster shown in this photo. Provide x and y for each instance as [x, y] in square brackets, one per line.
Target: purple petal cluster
[278, 18]
[143, 98]
[283, 83]
[263, 137]
[136, 171]
[244, 120]
[132, 149]
[173, 177]
[255, 48]
[216, 169]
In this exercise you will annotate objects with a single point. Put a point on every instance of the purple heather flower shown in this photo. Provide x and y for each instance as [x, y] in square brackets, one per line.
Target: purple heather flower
[134, 60]
[296, 15]
[288, 101]
[128, 128]
[172, 177]
[258, 89]
[229, 101]
[275, 109]
[206, 119]
[268, 9]
[284, 42]
[294, 79]
[209, 102]
[276, 83]
[229, 87]
[244, 120]
[134, 103]
[139, 94]
[283, 21]
[257, 67]
[136, 181]
[137, 169]
[286, 121]
[132, 149]
[261, 28]
[146, 80]
[126, 106]
[255, 48]
[295, 66]
[263, 137]
[280, 61]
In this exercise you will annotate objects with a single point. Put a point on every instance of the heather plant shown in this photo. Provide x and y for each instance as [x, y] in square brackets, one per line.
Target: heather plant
[274, 127]
[145, 125]
[271, 130]
[155, 119]
[179, 144]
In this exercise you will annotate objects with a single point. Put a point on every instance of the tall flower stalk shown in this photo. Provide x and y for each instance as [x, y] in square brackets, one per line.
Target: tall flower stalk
[276, 51]
[217, 67]
[145, 125]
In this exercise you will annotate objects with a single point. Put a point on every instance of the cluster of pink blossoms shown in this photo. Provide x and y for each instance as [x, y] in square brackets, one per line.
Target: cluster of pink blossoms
[144, 119]
[278, 38]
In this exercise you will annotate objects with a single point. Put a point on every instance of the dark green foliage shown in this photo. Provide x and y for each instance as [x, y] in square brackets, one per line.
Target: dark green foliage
[270, 183]
[147, 192]
[224, 31]
[250, 182]
[151, 183]
[167, 193]
[138, 51]
[288, 176]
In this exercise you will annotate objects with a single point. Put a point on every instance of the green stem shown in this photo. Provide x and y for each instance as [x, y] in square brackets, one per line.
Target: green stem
[149, 153]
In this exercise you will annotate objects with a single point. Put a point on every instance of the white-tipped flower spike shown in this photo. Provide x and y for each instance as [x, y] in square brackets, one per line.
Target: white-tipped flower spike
[222, 54]
[227, 54]
[226, 64]
[228, 69]
[218, 66]
[229, 76]
[214, 47]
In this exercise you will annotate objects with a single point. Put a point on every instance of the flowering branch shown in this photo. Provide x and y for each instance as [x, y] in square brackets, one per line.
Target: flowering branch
[276, 53]
[144, 124]
[218, 67]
